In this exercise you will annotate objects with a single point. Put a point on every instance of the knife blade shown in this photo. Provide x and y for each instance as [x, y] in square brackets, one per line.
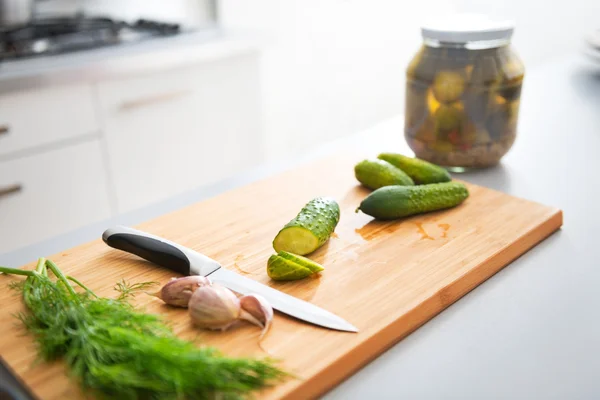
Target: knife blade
[186, 261]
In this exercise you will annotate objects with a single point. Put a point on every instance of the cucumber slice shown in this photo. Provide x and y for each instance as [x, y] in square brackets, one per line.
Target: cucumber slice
[310, 229]
[280, 269]
[302, 261]
[296, 239]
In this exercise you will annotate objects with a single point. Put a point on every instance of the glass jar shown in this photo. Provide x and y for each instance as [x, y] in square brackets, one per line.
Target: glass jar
[462, 93]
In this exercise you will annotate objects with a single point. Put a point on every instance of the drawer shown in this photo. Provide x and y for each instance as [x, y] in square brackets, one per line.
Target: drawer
[38, 117]
[174, 131]
[51, 193]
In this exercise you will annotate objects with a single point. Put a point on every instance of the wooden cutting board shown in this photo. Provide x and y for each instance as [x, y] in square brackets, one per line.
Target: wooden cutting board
[386, 278]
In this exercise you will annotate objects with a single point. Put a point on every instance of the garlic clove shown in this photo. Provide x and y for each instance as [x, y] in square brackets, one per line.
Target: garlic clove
[178, 291]
[259, 309]
[214, 307]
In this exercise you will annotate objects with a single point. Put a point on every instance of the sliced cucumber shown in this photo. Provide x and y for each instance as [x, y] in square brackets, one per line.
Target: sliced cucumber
[281, 269]
[302, 261]
[310, 229]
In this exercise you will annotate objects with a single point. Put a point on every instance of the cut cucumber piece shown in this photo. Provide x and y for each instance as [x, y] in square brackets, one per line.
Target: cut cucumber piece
[302, 261]
[280, 269]
[296, 239]
[310, 229]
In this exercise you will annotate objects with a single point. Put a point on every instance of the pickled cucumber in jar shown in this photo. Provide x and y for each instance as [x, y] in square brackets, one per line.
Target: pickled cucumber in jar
[512, 72]
[463, 92]
[448, 86]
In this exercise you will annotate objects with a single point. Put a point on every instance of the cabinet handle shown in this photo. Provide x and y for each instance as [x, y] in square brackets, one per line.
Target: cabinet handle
[154, 99]
[10, 189]
[4, 129]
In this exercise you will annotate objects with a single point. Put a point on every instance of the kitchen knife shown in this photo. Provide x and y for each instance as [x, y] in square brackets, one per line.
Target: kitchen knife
[11, 386]
[189, 262]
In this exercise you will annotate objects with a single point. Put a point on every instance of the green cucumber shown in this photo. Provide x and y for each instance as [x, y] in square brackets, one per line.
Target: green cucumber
[378, 173]
[310, 229]
[421, 171]
[392, 202]
[280, 268]
[302, 261]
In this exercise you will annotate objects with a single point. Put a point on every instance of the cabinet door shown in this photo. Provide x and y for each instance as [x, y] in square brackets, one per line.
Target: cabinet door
[51, 193]
[38, 117]
[176, 130]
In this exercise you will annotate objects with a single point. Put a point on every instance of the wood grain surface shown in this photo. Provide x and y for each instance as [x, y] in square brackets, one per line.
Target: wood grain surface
[386, 278]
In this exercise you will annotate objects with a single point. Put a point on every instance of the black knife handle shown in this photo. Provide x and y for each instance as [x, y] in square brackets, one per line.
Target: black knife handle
[11, 387]
[159, 251]
[153, 250]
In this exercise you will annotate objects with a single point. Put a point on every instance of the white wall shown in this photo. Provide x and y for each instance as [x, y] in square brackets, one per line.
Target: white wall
[545, 29]
[332, 67]
[329, 67]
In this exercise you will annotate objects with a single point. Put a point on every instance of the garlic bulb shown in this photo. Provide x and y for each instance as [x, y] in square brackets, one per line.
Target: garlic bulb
[216, 307]
[178, 291]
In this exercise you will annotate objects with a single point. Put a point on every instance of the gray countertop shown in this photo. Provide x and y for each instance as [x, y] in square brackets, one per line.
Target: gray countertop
[532, 330]
[128, 59]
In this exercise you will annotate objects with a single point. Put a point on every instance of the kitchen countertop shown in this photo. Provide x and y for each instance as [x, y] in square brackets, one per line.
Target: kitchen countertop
[531, 331]
[150, 55]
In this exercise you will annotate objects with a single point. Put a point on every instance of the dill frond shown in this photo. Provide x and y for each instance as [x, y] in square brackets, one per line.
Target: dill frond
[16, 285]
[119, 352]
[129, 290]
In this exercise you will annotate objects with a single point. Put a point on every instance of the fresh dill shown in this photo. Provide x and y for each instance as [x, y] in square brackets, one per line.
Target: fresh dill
[16, 285]
[119, 352]
[128, 290]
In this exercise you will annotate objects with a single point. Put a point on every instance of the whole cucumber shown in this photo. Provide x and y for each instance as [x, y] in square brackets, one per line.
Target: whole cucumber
[421, 171]
[378, 173]
[310, 229]
[392, 202]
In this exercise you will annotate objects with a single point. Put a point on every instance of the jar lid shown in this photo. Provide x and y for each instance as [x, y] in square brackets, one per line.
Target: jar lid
[464, 28]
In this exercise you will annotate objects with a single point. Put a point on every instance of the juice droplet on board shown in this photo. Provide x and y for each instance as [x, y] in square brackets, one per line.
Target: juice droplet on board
[445, 227]
[422, 231]
[375, 229]
[239, 258]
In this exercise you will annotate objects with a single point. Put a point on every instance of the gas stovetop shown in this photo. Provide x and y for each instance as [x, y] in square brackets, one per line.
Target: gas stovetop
[62, 35]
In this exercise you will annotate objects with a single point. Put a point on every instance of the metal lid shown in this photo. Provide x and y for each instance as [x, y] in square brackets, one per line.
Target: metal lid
[464, 28]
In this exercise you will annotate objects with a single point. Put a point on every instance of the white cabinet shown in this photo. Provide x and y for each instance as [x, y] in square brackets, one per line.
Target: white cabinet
[38, 117]
[51, 193]
[176, 130]
[72, 155]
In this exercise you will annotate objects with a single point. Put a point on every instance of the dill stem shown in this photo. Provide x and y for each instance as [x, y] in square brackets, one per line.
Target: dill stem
[15, 271]
[61, 277]
[41, 266]
[87, 289]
